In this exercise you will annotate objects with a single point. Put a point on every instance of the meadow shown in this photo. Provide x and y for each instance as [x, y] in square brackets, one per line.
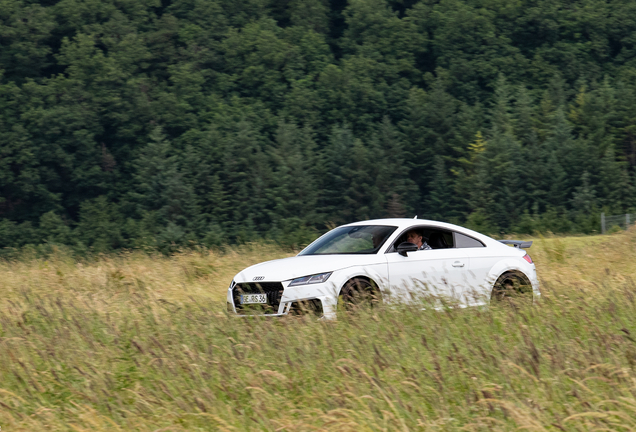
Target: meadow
[136, 342]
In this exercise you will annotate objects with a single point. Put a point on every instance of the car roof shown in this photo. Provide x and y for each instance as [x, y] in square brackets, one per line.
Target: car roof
[404, 223]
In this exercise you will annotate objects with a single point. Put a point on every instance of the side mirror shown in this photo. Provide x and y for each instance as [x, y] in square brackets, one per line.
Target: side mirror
[405, 247]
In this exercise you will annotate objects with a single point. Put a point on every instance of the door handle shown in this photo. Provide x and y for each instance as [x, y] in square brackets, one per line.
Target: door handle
[458, 264]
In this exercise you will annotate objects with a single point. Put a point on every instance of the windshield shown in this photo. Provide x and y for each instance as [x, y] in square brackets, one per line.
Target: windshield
[359, 239]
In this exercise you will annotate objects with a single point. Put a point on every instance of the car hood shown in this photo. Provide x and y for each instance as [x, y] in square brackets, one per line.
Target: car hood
[304, 265]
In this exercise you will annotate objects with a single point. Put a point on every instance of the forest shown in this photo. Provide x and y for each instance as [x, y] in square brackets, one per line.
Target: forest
[163, 124]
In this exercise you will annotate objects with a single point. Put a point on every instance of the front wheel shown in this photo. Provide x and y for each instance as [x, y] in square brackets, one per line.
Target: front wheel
[359, 293]
[511, 285]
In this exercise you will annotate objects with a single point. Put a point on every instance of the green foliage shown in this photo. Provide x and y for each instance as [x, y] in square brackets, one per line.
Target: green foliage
[100, 225]
[54, 230]
[202, 122]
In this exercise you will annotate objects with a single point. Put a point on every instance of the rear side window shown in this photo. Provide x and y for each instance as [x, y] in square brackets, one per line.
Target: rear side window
[463, 241]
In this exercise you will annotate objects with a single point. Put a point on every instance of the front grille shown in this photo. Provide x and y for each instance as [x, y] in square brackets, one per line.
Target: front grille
[273, 291]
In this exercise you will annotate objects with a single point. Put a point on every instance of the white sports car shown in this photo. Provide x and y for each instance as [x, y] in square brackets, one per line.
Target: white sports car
[386, 260]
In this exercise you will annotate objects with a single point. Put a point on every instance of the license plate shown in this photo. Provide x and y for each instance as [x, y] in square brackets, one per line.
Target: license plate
[253, 298]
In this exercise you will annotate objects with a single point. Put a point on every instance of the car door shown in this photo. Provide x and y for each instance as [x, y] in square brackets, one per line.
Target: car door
[476, 287]
[439, 272]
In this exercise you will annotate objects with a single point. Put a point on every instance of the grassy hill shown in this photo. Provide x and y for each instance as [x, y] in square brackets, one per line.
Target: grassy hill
[140, 343]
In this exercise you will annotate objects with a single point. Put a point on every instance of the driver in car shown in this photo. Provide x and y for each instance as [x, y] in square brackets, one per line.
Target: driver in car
[414, 236]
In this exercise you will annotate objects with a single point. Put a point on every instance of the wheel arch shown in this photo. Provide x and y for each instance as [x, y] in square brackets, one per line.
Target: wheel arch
[504, 266]
[518, 273]
[376, 274]
[361, 276]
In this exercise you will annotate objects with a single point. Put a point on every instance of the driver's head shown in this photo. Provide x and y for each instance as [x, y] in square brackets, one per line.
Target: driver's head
[415, 237]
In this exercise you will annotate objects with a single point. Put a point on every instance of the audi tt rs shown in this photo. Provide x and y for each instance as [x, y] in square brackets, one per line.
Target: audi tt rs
[387, 261]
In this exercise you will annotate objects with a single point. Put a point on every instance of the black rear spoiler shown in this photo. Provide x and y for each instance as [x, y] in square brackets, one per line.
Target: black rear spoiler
[517, 243]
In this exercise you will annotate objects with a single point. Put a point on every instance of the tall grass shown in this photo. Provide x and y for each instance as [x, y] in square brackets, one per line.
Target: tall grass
[141, 343]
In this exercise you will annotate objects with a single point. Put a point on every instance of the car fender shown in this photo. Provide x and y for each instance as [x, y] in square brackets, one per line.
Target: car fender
[505, 265]
[331, 288]
[328, 292]
[378, 273]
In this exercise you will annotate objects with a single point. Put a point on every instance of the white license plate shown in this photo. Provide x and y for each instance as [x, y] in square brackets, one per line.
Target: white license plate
[253, 298]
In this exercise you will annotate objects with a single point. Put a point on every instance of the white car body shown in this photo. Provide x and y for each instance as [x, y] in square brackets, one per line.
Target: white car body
[464, 274]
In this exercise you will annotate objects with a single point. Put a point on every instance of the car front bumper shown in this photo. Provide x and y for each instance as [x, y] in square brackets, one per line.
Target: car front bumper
[320, 298]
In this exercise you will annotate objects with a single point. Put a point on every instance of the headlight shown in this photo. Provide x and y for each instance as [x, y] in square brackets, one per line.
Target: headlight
[313, 279]
[232, 285]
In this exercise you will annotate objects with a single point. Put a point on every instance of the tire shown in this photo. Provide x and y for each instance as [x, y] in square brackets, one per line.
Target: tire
[359, 293]
[511, 286]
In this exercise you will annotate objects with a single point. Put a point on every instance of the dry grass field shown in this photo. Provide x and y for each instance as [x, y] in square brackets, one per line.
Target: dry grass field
[142, 343]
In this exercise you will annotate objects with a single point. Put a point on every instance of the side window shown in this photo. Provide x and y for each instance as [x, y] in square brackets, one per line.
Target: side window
[463, 241]
[434, 237]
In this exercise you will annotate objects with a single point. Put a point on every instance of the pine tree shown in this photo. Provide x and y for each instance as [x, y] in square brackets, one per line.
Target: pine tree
[245, 176]
[584, 206]
[524, 122]
[201, 164]
[481, 201]
[573, 154]
[334, 182]
[100, 225]
[293, 192]
[439, 202]
[362, 199]
[399, 194]
[533, 155]
[431, 129]
[614, 186]
[556, 183]
[506, 164]
[552, 100]
[161, 189]
[626, 122]
[473, 185]
[584, 197]
[54, 230]
[501, 114]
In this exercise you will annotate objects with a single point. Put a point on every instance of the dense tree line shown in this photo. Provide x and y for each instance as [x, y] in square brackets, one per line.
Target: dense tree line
[147, 123]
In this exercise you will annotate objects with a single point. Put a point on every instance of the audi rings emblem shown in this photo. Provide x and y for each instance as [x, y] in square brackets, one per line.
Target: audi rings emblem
[258, 278]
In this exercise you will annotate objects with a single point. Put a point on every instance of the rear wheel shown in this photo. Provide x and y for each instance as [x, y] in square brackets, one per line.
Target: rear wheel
[512, 286]
[359, 293]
